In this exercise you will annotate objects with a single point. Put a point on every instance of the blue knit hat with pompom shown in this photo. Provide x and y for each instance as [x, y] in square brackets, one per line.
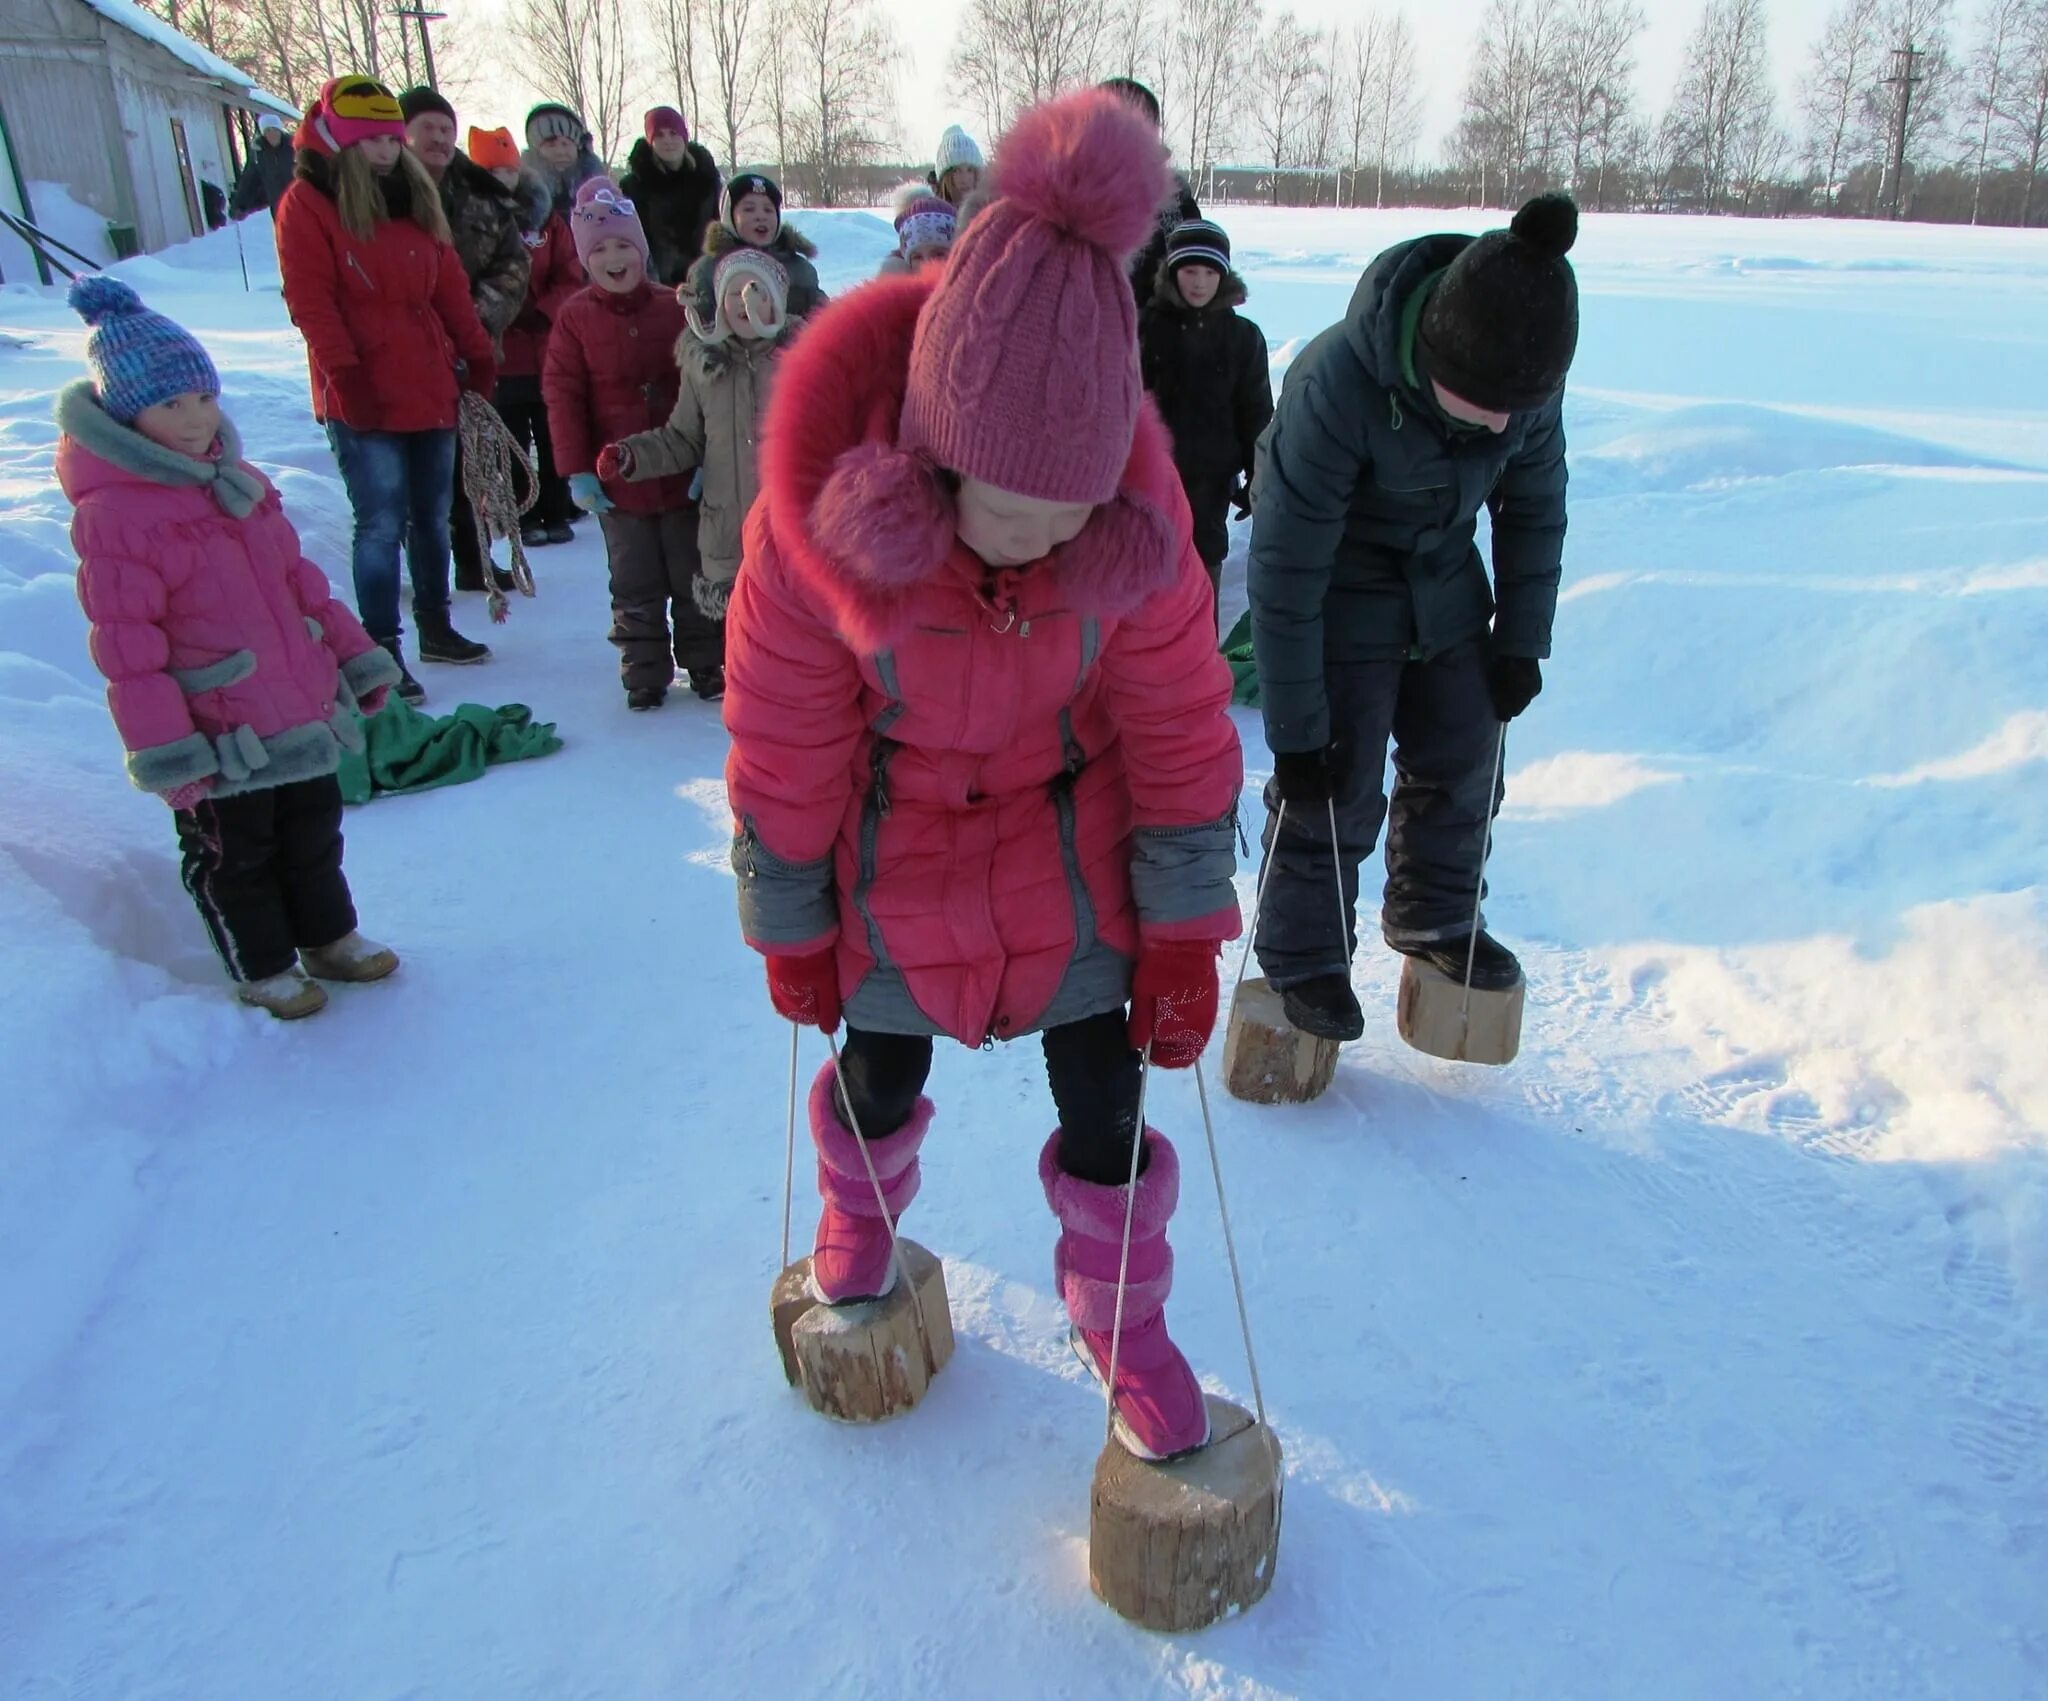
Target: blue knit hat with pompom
[138, 358]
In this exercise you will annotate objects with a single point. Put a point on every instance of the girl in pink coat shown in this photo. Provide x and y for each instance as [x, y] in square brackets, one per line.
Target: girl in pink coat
[982, 775]
[232, 674]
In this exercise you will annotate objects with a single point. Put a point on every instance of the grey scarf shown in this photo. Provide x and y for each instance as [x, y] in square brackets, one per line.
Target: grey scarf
[234, 486]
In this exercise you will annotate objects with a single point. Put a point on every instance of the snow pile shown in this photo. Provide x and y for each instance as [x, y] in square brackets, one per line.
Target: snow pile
[422, 1348]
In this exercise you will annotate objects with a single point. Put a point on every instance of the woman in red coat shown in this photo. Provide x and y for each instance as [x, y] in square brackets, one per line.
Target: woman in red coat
[392, 340]
[983, 778]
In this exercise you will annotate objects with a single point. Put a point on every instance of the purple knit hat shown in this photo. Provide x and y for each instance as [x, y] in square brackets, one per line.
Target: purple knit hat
[602, 212]
[1024, 369]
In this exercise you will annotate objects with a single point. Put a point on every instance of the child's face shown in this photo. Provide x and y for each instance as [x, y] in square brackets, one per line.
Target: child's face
[615, 264]
[1468, 413]
[1198, 284]
[188, 423]
[669, 147]
[381, 152]
[756, 220]
[749, 310]
[1008, 530]
[558, 151]
[927, 254]
[959, 183]
[507, 175]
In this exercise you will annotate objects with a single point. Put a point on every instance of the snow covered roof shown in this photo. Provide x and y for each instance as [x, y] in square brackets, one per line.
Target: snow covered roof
[138, 21]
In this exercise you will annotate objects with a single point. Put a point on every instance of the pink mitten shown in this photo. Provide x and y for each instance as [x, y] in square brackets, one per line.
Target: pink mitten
[190, 795]
[371, 701]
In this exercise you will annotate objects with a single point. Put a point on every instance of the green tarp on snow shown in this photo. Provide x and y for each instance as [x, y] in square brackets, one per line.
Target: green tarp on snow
[1237, 650]
[408, 751]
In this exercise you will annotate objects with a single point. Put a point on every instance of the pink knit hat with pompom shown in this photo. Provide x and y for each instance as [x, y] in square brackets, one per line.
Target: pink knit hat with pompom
[1024, 369]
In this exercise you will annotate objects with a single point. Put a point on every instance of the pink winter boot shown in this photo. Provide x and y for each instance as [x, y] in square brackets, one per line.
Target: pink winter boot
[851, 1258]
[1159, 1406]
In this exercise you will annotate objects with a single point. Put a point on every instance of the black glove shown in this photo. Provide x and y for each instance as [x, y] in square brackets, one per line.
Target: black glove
[1241, 498]
[1513, 683]
[1303, 776]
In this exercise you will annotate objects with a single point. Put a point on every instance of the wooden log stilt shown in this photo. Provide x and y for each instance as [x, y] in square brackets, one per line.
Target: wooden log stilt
[1179, 1545]
[871, 1359]
[1266, 1059]
[1433, 1017]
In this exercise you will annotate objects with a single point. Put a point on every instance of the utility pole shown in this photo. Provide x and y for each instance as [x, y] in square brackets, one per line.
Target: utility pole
[1905, 78]
[420, 15]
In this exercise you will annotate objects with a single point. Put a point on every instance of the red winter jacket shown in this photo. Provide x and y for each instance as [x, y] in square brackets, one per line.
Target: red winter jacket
[557, 278]
[611, 371]
[394, 309]
[984, 786]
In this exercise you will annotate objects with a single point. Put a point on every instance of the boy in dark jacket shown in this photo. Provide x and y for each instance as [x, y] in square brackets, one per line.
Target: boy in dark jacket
[750, 216]
[610, 372]
[269, 172]
[1372, 617]
[1206, 368]
[674, 185]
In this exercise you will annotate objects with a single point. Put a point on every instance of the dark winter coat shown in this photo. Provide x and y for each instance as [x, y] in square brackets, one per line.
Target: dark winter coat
[264, 179]
[395, 307]
[556, 280]
[1207, 370]
[611, 372]
[562, 185]
[483, 223]
[676, 204]
[1180, 207]
[1367, 500]
[791, 247]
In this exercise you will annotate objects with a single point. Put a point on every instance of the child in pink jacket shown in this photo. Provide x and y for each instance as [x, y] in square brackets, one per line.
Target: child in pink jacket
[233, 675]
[983, 775]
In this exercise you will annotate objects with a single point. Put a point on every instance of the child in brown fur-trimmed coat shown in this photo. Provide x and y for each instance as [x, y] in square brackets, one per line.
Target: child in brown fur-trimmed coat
[750, 216]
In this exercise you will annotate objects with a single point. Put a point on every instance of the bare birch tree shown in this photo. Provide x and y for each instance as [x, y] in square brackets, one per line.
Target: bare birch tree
[1991, 67]
[1396, 103]
[1284, 72]
[1923, 25]
[1011, 54]
[2023, 113]
[729, 33]
[676, 25]
[1592, 87]
[1723, 109]
[1834, 99]
[1205, 61]
[839, 98]
[1507, 126]
[578, 50]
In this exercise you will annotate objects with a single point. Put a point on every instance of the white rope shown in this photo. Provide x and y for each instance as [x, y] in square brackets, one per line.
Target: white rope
[1244, 1321]
[1123, 1265]
[1337, 873]
[789, 1160]
[881, 1198]
[1259, 900]
[1500, 756]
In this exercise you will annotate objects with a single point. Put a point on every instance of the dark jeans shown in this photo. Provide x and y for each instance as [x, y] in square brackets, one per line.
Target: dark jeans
[525, 415]
[1441, 721]
[399, 484]
[264, 868]
[653, 560]
[1092, 1068]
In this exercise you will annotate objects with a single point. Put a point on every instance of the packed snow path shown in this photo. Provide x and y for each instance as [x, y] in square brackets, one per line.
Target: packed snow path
[422, 1349]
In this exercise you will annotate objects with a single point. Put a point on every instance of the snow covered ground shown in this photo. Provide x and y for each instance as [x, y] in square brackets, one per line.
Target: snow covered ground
[421, 1350]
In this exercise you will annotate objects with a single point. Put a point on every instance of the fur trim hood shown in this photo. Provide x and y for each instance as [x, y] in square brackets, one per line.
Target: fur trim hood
[788, 240]
[866, 525]
[1166, 292]
[562, 187]
[536, 201]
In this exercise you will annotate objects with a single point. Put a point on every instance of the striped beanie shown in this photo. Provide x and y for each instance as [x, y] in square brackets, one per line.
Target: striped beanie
[1197, 242]
[923, 220]
[138, 358]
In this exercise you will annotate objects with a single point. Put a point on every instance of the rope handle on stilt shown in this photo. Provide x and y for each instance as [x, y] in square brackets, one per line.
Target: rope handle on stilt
[1500, 757]
[896, 1258]
[1123, 1263]
[789, 1156]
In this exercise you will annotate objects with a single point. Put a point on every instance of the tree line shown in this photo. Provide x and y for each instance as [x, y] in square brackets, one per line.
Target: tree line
[1903, 107]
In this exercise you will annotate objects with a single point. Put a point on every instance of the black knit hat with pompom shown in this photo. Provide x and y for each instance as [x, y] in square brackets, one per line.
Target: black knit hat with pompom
[1502, 326]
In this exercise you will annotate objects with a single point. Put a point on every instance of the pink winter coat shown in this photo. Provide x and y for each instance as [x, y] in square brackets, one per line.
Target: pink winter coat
[985, 787]
[224, 652]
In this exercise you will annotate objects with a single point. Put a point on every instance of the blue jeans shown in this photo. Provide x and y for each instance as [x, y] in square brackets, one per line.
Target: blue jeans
[399, 483]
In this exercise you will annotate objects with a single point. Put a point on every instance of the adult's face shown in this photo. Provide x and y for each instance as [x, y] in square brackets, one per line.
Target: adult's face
[670, 148]
[558, 151]
[432, 136]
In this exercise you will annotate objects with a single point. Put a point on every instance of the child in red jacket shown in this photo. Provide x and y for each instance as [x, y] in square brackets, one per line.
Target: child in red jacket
[611, 372]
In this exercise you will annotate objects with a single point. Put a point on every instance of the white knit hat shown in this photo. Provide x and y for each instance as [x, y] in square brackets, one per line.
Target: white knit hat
[957, 148]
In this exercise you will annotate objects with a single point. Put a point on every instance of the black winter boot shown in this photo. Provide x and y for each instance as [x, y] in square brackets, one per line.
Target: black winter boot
[440, 642]
[409, 688]
[708, 682]
[1494, 967]
[1324, 1006]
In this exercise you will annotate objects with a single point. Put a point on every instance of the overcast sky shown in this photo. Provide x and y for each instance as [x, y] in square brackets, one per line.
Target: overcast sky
[1444, 30]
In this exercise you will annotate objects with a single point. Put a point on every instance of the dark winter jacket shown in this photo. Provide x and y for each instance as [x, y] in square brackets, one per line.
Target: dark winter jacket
[791, 247]
[676, 205]
[1207, 370]
[1180, 206]
[393, 312]
[264, 179]
[611, 372]
[483, 223]
[1367, 498]
[562, 185]
[557, 278]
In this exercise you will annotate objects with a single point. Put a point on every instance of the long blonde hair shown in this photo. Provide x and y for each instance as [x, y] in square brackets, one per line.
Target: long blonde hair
[360, 200]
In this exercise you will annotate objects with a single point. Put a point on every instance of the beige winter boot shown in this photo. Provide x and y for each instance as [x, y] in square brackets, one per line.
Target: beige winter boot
[351, 957]
[287, 996]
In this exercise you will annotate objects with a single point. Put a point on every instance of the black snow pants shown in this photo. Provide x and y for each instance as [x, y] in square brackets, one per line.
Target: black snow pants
[264, 867]
[1090, 1064]
[1445, 737]
[654, 561]
[519, 405]
[1209, 505]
